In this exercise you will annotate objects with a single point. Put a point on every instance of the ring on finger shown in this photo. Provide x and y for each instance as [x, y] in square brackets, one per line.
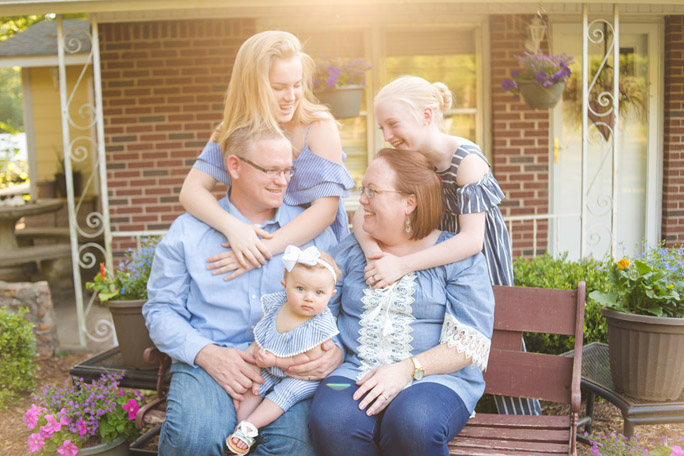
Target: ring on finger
[384, 396]
[309, 377]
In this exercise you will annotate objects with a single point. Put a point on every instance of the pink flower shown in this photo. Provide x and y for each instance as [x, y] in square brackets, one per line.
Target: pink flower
[51, 427]
[132, 407]
[82, 427]
[120, 393]
[32, 415]
[676, 451]
[35, 442]
[68, 449]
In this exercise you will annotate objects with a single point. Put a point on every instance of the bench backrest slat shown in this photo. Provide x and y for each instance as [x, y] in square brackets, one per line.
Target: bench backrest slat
[511, 371]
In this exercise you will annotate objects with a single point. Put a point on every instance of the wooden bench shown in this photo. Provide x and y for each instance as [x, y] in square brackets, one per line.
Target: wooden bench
[510, 372]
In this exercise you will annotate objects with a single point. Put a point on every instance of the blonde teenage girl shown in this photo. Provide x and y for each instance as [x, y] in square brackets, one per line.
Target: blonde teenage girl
[410, 113]
[270, 88]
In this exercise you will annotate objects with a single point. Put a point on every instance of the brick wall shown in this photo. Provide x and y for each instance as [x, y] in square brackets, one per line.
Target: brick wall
[673, 144]
[520, 140]
[163, 87]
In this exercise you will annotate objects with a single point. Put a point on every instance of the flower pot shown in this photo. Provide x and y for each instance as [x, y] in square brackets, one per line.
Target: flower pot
[60, 183]
[344, 101]
[539, 97]
[117, 447]
[646, 355]
[131, 332]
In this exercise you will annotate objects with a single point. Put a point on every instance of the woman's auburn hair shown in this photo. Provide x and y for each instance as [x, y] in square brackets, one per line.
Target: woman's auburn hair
[415, 175]
[249, 99]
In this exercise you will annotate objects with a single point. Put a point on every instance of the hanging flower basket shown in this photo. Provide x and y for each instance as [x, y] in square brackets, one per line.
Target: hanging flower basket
[343, 101]
[540, 80]
[538, 97]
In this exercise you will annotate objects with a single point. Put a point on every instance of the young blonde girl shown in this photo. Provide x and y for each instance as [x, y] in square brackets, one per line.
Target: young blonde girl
[410, 114]
[270, 88]
[295, 322]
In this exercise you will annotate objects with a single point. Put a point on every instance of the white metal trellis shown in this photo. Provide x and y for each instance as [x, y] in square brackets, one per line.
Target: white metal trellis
[91, 117]
[607, 112]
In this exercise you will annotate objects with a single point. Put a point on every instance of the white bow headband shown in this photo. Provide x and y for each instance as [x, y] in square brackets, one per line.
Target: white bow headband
[309, 256]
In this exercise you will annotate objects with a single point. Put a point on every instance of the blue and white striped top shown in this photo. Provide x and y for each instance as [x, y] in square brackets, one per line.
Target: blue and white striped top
[303, 338]
[484, 195]
[316, 177]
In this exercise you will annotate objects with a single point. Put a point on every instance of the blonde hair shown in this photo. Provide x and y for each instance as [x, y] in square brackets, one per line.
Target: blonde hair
[249, 98]
[241, 141]
[324, 257]
[417, 94]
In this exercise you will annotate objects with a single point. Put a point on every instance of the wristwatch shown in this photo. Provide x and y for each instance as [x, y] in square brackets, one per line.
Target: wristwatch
[418, 372]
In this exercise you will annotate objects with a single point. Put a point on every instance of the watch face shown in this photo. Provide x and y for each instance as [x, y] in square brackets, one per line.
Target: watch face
[418, 374]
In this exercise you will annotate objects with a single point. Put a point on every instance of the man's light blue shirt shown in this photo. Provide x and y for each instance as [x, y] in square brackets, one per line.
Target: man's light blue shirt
[188, 307]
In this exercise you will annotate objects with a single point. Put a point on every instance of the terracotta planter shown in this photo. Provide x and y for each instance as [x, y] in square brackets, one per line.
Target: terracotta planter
[538, 97]
[344, 101]
[117, 447]
[131, 332]
[646, 355]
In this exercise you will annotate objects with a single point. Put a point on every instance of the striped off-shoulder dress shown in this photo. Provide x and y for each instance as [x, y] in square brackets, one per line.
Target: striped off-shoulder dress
[484, 195]
[316, 177]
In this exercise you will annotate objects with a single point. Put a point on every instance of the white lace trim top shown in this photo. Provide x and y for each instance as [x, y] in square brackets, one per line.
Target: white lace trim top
[385, 334]
[467, 340]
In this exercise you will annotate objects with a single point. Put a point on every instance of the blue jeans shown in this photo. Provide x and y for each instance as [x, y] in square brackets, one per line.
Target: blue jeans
[200, 416]
[421, 420]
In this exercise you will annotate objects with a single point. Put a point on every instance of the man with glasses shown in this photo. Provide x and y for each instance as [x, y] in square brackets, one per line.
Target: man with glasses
[205, 322]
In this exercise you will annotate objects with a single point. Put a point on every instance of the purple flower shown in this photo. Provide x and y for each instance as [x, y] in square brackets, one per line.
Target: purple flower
[68, 449]
[515, 73]
[35, 442]
[541, 77]
[509, 84]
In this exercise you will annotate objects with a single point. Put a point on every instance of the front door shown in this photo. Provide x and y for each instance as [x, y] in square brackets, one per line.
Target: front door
[638, 194]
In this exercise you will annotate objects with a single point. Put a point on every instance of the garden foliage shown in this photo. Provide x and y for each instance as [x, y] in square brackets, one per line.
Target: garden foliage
[17, 355]
[548, 272]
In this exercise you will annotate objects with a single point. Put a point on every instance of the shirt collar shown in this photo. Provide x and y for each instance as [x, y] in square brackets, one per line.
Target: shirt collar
[282, 215]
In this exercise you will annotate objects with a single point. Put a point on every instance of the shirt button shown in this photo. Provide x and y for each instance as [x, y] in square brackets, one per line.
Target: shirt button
[253, 296]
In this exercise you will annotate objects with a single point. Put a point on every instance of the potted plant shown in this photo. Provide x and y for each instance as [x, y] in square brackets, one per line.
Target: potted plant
[644, 311]
[60, 177]
[339, 83]
[83, 418]
[124, 293]
[541, 80]
[632, 95]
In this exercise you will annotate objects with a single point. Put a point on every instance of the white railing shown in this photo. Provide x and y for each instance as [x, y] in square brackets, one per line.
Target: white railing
[535, 221]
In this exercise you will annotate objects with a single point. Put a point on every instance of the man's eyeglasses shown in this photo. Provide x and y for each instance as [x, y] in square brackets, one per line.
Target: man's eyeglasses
[272, 173]
[371, 192]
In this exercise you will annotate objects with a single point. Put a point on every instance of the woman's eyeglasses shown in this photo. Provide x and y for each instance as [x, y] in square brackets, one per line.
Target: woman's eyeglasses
[371, 192]
[272, 173]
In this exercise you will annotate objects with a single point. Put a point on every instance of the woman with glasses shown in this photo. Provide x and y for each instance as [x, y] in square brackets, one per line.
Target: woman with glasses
[410, 112]
[415, 350]
[270, 88]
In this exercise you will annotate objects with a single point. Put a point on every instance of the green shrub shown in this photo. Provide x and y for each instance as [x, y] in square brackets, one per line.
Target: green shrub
[549, 272]
[17, 355]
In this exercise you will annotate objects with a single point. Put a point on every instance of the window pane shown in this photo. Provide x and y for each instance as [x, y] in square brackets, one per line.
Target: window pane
[446, 56]
[345, 44]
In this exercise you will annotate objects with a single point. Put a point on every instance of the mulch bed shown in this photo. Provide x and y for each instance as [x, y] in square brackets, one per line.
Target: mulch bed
[54, 370]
